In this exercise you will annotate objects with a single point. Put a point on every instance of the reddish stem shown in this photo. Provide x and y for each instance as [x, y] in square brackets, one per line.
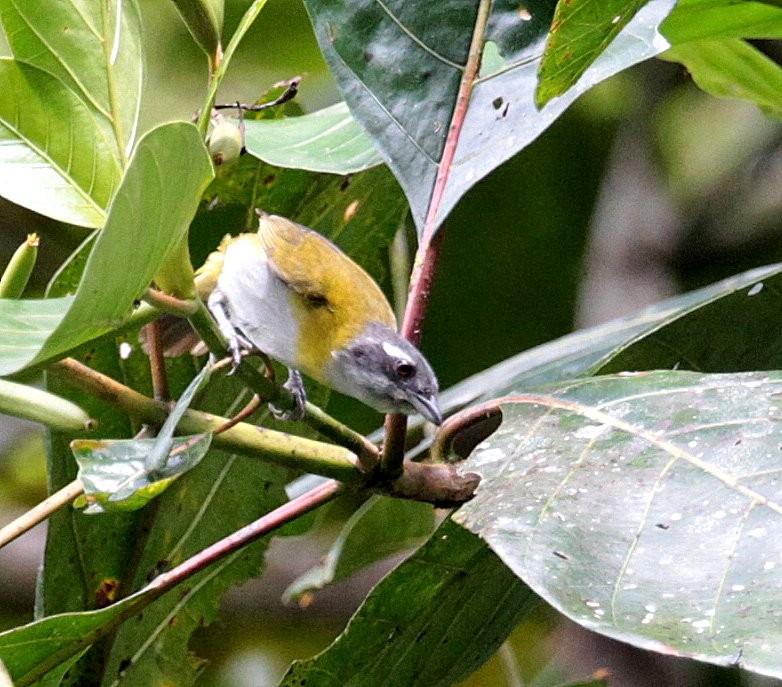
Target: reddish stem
[428, 252]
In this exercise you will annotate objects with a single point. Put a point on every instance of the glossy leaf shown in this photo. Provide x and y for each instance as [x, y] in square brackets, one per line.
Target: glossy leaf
[645, 507]
[25, 326]
[580, 32]
[125, 474]
[679, 331]
[114, 473]
[148, 217]
[380, 528]
[685, 340]
[57, 155]
[400, 72]
[327, 140]
[732, 68]
[405, 634]
[91, 50]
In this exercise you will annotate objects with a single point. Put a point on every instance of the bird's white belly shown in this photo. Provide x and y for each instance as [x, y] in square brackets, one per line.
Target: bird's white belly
[258, 302]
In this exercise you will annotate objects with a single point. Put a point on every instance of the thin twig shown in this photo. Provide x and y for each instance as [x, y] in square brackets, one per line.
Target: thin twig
[157, 362]
[170, 304]
[40, 512]
[291, 90]
[252, 405]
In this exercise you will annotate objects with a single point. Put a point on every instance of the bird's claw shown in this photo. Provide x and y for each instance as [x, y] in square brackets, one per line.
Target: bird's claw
[295, 385]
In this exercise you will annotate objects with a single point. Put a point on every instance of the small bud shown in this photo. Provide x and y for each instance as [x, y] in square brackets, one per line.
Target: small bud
[20, 267]
[41, 406]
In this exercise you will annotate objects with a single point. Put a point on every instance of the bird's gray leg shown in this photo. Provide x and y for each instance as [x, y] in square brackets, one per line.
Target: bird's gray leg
[295, 385]
[218, 306]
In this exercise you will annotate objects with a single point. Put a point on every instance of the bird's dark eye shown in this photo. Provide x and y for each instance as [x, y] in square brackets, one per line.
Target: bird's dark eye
[404, 370]
[316, 299]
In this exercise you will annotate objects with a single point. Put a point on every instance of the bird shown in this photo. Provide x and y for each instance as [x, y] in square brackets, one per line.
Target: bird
[291, 293]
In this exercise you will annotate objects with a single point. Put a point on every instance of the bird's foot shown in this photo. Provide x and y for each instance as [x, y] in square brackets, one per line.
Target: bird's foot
[295, 385]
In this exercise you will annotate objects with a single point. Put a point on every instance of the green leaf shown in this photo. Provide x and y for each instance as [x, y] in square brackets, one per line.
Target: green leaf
[87, 560]
[678, 331]
[711, 19]
[148, 217]
[400, 70]
[91, 50]
[580, 32]
[204, 20]
[685, 339]
[211, 501]
[33, 650]
[57, 155]
[405, 632]
[380, 528]
[327, 140]
[732, 68]
[644, 507]
[25, 326]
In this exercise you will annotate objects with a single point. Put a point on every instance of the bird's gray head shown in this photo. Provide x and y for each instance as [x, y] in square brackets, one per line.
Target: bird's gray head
[386, 372]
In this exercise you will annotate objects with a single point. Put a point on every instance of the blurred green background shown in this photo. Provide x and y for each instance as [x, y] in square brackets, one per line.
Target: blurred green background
[646, 187]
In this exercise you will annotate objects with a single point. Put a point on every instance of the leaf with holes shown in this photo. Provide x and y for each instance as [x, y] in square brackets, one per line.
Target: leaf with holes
[645, 507]
[446, 90]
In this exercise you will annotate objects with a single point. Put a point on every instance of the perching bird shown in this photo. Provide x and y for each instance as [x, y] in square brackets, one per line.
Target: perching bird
[298, 298]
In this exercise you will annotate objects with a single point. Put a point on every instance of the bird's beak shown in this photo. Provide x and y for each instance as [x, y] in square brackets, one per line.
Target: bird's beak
[427, 406]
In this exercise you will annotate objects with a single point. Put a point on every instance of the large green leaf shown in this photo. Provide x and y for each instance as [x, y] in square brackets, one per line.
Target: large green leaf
[149, 215]
[400, 69]
[57, 154]
[678, 331]
[55, 639]
[223, 493]
[430, 622]
[580, 32]
[645, 507]
[327, 140]
[90, 48]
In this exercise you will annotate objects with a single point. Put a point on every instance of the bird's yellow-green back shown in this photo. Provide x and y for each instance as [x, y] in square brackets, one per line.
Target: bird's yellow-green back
[333, 298]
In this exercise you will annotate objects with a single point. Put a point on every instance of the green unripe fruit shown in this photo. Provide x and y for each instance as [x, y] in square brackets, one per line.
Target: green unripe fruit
[225, 143]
